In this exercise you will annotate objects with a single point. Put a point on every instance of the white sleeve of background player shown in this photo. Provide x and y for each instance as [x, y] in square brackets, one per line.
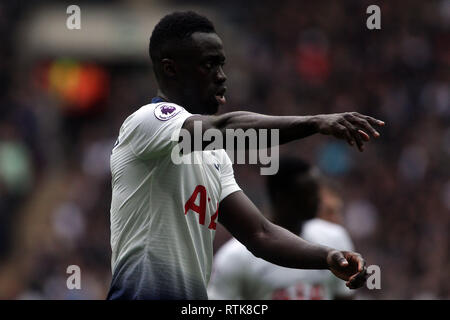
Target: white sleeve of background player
[228, 272]
[334, 236]
[154, 129]
[345, 241]
[227, 180]
[328, 234]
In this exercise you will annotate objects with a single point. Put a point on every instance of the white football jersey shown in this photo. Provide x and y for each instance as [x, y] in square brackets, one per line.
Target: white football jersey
[163, 215]
[238, 274]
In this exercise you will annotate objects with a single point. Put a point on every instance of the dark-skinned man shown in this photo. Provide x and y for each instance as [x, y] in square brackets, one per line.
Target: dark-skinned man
[164, 215]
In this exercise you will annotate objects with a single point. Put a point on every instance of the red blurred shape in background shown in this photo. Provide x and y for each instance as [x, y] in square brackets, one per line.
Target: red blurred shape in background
[81, 87]
[313, 63]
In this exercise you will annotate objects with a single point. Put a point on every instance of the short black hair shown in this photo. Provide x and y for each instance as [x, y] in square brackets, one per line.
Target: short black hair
[176, 26]
[285, 180]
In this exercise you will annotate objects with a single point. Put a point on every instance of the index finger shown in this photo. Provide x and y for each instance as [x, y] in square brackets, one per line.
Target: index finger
[357, 280]
[361, 263]
[374, 121]
[359, 260]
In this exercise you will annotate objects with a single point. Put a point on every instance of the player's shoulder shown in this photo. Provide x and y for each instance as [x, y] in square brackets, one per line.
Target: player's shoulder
[223, 156]
[162, 111]
[151, 116]
[327, 233]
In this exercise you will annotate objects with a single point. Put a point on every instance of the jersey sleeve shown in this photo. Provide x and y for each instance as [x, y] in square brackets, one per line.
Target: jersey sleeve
[228, 273]
[227, 179]
[154, 129]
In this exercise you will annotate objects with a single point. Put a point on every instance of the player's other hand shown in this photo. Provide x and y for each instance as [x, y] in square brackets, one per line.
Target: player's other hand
[353, 127]
[348, 266]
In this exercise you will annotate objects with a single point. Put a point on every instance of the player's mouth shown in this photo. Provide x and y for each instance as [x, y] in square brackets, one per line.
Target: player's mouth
[220, 96]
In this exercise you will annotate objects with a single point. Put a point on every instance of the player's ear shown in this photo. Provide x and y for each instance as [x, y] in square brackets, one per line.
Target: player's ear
[168, 67]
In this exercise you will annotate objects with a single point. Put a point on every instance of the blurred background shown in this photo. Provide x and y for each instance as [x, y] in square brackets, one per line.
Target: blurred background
[65, 93]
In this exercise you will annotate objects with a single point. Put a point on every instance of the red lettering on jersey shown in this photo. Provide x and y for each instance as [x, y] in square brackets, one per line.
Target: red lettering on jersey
[212, 224]
[201, 209]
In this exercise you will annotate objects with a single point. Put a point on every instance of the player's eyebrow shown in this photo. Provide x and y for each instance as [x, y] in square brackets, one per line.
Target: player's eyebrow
[219, 58]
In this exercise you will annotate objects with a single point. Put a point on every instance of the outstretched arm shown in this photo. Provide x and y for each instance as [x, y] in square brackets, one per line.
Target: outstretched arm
[353, 127]
[279, 246]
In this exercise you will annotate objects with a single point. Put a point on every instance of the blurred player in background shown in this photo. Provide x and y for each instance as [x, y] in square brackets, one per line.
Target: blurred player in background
[295, 192]
[163, 216]
[331, 204]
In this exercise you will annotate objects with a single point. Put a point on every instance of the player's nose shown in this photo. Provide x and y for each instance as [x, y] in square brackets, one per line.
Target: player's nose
[221, 76]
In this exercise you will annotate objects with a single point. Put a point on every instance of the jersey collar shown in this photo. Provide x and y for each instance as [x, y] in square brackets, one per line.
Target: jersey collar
[157, 99]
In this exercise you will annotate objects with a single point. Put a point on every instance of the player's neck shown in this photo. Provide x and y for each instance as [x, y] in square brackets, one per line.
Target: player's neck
[163, 96]
[168, 96]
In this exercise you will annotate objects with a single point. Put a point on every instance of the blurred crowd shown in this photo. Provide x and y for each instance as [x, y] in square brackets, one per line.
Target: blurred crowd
[291, 57]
